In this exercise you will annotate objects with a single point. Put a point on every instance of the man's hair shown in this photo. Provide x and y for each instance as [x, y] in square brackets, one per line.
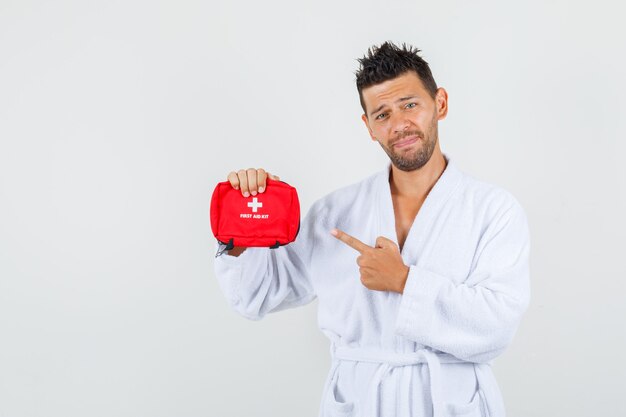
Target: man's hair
[387, 61]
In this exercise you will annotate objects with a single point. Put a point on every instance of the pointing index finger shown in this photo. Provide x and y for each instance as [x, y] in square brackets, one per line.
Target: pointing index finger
[350, 240]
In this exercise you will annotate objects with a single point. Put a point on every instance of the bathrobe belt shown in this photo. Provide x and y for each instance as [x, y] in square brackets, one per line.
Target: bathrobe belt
[390, 360]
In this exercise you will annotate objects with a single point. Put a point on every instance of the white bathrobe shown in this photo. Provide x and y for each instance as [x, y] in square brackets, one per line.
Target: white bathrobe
[428, 351]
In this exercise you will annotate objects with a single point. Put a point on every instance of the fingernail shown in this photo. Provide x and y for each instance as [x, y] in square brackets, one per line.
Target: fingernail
[253, 192]
[261, 189]
[246, 194]
[333, 232]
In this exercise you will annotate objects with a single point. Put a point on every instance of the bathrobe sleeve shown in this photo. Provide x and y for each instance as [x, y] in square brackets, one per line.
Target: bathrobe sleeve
[474, 320]
[264, 280]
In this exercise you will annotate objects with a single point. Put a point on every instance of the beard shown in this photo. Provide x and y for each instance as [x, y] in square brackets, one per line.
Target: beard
[418, 157]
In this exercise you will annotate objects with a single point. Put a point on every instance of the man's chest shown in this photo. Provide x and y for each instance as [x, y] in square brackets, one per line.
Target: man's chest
[405, 212]
[443, 242]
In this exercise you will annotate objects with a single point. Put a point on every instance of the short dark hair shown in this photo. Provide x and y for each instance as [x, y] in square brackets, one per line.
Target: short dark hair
[387, 61]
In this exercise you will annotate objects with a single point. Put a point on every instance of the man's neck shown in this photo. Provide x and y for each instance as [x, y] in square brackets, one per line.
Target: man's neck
[415, 185]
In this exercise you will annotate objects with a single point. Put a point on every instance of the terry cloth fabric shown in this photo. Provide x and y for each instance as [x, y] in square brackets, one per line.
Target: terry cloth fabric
[428, 351]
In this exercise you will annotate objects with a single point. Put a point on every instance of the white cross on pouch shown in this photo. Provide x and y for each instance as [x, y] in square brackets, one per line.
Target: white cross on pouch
[255, 205]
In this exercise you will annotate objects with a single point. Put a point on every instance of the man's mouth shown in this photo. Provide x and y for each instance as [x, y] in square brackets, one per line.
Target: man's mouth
[406, 141]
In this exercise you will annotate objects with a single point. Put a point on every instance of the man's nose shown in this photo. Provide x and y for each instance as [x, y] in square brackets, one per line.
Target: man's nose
[399, 122]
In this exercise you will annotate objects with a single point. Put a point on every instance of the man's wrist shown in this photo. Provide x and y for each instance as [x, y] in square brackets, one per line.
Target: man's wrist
[402, 281]
[236, 251]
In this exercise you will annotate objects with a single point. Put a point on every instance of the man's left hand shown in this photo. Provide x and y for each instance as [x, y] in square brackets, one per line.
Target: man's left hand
[381, 267]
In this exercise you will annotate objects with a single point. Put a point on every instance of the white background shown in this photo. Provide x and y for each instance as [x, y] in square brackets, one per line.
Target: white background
[117, 119]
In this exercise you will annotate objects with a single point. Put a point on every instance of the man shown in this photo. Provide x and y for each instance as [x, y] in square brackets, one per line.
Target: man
[421, 271]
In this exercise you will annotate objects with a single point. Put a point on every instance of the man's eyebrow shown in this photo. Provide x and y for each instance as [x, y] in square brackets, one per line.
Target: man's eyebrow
[401, 99]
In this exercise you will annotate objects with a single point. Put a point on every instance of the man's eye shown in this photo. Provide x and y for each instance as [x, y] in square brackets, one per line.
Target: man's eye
[382, 114]
[411, 104]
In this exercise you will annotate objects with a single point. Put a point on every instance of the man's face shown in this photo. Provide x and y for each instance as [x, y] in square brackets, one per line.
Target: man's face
[401, 111]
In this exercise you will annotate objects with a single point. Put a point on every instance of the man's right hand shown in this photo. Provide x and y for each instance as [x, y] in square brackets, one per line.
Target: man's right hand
[250, 181]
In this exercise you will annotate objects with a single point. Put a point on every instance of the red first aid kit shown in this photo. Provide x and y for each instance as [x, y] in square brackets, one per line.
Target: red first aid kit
[268, 219]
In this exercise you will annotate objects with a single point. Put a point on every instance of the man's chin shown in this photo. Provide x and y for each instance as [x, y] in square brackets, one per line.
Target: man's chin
[408, 165]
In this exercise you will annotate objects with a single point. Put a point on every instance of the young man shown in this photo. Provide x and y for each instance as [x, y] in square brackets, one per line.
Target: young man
[421, 271]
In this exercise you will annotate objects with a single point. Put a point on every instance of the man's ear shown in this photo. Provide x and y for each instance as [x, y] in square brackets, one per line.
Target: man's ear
[364, 118]
[441, 100]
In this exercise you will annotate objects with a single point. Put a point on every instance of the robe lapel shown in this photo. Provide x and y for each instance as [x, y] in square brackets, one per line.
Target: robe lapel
[436, 198]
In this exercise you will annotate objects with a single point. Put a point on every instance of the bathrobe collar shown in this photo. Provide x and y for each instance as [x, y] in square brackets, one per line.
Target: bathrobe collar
[445, 186]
